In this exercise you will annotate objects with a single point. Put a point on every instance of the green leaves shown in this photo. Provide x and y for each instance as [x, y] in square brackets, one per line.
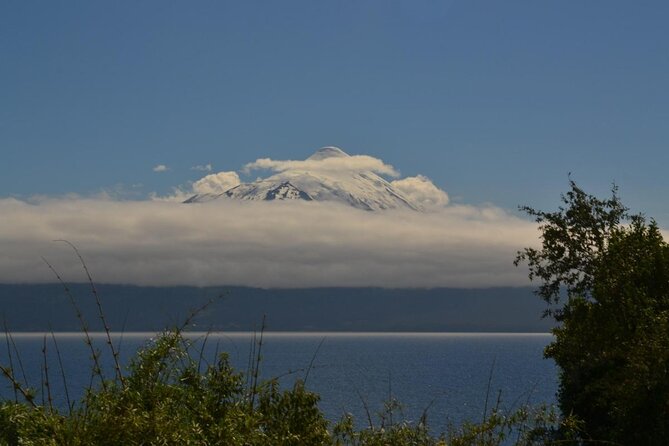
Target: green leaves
[572, 240]
[611, 345]
[168, 398]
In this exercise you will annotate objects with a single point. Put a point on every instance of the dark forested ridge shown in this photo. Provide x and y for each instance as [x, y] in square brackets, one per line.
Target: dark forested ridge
[135, 308]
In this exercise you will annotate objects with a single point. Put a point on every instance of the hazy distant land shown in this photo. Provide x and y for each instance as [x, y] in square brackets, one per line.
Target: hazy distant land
[134, 308]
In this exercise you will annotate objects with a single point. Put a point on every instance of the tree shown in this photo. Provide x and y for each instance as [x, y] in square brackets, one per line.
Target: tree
[606, 275]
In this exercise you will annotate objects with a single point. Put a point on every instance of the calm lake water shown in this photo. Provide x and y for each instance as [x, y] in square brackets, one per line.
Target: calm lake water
[445, 372]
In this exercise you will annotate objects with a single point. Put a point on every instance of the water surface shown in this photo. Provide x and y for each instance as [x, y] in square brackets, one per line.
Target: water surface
[448, 374]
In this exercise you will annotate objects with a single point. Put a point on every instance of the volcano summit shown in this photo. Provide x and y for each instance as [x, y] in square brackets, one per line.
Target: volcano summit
[331, 175]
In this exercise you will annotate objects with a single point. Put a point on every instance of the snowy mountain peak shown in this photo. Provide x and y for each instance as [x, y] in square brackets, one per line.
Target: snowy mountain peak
[328, 152]
[344, 179]
[267, 191]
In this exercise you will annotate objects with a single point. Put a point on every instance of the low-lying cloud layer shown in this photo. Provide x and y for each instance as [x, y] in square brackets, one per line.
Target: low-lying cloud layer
[266, 244]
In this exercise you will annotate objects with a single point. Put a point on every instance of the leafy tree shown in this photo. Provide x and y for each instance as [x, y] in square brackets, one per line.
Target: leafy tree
[606, 275]
[573, 239]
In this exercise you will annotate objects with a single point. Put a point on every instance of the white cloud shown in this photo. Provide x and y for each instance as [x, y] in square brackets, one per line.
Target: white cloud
[267, 244]
[216, 183]
[161, 168]
[420, 189]
[354, 163]
[202, 168]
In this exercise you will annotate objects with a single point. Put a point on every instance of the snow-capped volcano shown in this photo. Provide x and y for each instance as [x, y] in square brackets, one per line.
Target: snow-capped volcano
[330, 174]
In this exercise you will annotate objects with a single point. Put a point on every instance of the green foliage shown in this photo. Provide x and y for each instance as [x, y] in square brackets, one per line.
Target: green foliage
[611, 345]
[167, 397]
[388, 432]
[523, 427]
[573, 239]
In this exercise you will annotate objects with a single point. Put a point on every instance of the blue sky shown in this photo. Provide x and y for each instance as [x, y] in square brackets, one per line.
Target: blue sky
[494, 101]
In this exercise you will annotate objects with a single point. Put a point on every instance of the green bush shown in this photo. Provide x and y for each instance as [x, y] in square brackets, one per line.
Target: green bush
[165, 399]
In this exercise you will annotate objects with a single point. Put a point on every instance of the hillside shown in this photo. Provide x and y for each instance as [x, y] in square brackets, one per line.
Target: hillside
[134, 308]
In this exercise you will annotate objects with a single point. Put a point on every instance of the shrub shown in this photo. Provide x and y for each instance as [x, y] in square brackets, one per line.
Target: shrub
[166, 400]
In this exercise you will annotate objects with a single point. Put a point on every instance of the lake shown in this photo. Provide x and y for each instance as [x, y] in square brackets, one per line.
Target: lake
[446, 373]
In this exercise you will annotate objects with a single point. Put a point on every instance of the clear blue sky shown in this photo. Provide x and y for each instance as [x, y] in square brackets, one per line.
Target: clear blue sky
[496, 101]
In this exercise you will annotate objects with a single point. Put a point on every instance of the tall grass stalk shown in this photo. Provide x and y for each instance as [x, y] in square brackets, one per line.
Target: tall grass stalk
[101, 314]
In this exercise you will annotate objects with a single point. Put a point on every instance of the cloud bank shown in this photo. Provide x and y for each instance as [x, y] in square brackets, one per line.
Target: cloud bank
[263, 244]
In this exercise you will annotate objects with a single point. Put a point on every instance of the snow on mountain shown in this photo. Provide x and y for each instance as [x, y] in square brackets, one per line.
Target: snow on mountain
[328, 152]
[362, 189]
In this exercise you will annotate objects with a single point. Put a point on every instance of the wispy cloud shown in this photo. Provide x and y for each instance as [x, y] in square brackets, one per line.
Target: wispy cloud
[267, 244]
[122, 191]
[161, 168]
[202, 168]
